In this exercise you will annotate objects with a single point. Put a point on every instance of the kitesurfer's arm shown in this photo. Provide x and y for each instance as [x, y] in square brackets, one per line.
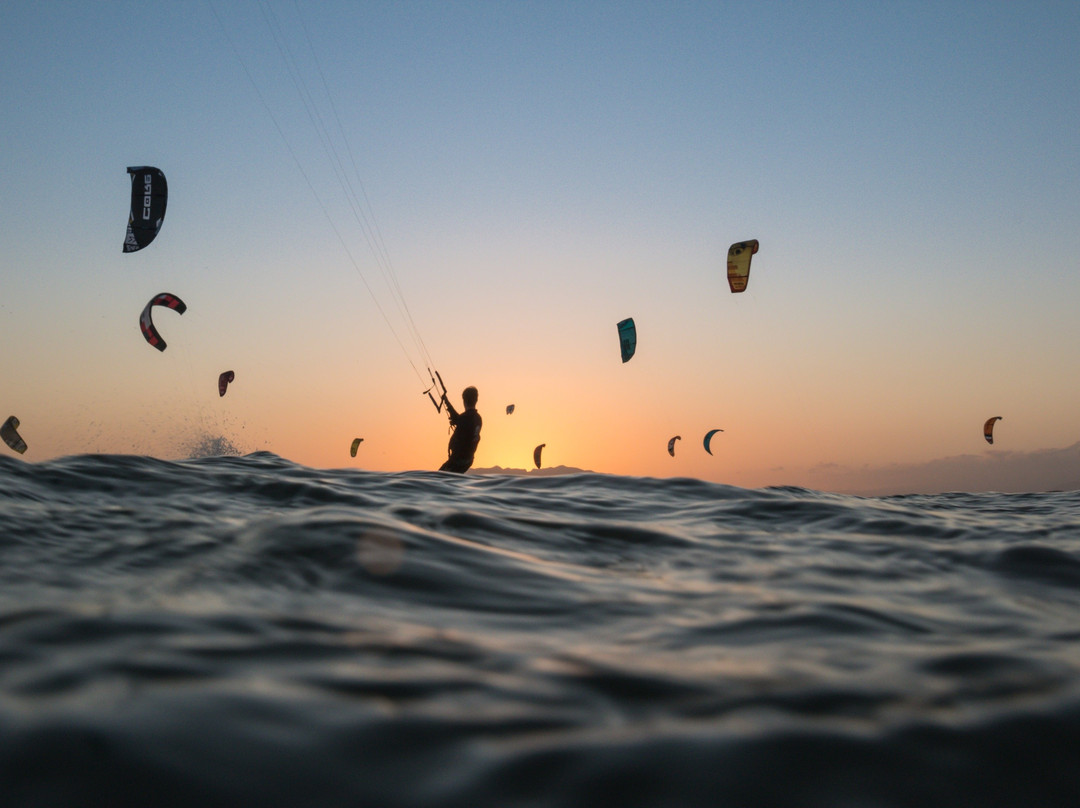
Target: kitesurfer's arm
[450, 411]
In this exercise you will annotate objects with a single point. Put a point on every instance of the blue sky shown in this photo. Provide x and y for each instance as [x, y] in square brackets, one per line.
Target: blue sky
[538, 171]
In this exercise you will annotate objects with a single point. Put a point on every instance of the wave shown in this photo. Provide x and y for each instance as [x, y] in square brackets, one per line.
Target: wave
[244, 628]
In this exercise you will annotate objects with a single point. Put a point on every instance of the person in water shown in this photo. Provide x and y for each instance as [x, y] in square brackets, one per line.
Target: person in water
[466, 435]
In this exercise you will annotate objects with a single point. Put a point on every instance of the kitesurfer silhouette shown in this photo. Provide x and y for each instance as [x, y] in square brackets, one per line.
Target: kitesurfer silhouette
[466, 435]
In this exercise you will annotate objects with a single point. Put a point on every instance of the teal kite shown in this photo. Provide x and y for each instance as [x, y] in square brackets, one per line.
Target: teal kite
[708, 438]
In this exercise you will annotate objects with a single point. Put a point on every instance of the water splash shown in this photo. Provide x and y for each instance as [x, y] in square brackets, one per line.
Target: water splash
[208, 445]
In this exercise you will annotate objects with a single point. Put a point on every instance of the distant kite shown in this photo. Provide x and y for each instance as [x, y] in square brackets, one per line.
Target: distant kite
[355, 445]
[149, 194]
[536, 454]
[11, 437]
[671, 445]
[988, 428]
[223, 381]
[738, 264]
[509, 409]
[146, 322]
[708, 438]
[627, 338]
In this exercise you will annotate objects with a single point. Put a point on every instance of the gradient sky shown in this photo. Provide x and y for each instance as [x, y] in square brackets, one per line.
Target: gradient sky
[537, 172]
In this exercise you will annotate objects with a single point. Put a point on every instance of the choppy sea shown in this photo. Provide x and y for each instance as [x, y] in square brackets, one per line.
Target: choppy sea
[249, 631]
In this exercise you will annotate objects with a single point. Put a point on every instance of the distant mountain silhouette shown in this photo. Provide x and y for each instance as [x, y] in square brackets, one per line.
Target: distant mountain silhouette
[996, 469]
[543, 472]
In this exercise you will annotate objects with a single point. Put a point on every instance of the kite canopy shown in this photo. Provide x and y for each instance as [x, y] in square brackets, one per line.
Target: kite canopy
[536, 454]
[738, 264]
[671, 445]
[509, 409]
[223, 381]
[355, 445]
[627, 338]
[149, 194]
[146, 322]
[708, 438]
[10, 436]
[988, 428]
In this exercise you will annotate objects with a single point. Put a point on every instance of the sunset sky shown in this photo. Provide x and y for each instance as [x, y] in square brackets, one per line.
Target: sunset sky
[538, 171]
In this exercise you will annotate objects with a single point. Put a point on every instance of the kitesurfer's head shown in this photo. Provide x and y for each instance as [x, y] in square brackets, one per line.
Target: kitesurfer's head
[469, 396]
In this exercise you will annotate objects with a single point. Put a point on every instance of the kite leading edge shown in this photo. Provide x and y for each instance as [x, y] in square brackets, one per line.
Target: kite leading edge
[627, 338]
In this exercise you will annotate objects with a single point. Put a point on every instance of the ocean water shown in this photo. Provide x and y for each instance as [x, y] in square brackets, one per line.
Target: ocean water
[249, 631]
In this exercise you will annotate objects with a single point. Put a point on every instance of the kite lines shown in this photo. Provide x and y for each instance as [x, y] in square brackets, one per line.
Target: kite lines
[327, 126]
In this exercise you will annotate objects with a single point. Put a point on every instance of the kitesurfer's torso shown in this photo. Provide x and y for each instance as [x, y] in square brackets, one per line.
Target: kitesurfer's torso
[464, 440]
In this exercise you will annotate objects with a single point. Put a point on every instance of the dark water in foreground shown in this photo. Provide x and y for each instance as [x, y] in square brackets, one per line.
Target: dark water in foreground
[246, 631]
